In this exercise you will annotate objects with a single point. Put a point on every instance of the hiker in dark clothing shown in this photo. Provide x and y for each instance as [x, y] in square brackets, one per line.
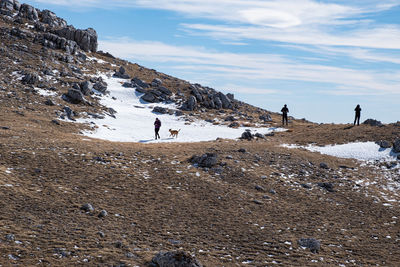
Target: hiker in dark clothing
[358, 115]
[284, 111]
[157, 125]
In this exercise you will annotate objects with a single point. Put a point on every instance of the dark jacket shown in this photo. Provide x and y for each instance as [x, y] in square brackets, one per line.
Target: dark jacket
[157, 124]
[285, 110]
[357, 110]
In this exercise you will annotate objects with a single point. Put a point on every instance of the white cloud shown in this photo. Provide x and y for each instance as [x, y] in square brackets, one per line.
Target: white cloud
[249, 68]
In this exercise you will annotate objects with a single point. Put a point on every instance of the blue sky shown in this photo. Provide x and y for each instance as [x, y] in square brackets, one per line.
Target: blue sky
[321, 58]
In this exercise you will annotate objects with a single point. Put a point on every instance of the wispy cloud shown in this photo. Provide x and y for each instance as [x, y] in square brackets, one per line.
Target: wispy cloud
[254, 67]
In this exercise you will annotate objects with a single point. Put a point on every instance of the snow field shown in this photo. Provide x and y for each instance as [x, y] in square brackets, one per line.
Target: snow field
[134, 120]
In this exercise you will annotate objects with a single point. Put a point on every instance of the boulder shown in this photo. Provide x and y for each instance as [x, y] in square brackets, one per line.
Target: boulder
[52, 20]
[30, 78]
[207, 160]
[140, 90]
[149, 97]
[86, 87]
[156, 82]
[164, 90]
[100, 86]
[265, 118]
[86, 39]
[396, 145]
[7, 5]
[217, 102]
[121, 73]
[87, 207]
[383, 144]
[160, 110]
[190, 104]
[197, 94]
[139, 83]
[247, 135]
[373, 122]
[311, 243]
[174, 259]
[28, 12]
[327, 186]
[74, 96]
[226, 102]
[231, 96]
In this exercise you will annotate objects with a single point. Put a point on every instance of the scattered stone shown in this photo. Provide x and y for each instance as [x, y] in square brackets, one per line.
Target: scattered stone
[327, 186]
[272, 191]
[121, 73]
[118, 244]
[30, 78]
[259, 188]
[323, 165]
[87, 207]
[101, 234]
[229, 157]
[56, 122]
[306, 186]
[242, 150]
[10, 237]
[311, 243]
[130, 255]
[258, 202]
[234, 125]
[102, 214]
[5, 128]
[49, 102]
[265, 118]
[207, 160]
[270, 134]
[174, 259]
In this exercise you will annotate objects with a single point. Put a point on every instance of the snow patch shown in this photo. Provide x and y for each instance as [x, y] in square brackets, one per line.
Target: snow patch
[363, 151]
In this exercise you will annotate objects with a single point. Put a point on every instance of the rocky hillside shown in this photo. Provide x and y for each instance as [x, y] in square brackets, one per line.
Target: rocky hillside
[70, 200]
[40, 50]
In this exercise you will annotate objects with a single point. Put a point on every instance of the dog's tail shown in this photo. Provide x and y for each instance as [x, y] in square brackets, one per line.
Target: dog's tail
[179, 130]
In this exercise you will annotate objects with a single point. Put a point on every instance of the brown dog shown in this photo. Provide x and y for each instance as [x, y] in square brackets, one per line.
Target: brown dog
[174, 133]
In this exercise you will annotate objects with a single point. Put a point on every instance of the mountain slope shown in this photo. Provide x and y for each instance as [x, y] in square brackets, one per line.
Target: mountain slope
[225, 202]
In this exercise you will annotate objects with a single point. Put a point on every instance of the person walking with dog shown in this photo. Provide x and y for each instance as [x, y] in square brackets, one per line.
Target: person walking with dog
[157, 126]
[284, 111]
[358, 115]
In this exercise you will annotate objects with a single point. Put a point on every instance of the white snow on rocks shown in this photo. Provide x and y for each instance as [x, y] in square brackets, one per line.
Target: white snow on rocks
[134, 120]
[364, 151]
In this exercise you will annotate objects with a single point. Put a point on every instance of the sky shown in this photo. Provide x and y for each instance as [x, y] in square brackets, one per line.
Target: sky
[321, 58]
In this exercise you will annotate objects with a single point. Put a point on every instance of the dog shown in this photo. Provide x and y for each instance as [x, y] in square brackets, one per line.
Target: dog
[174, 133]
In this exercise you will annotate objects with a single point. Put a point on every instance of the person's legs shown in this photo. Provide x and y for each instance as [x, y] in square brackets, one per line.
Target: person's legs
[358, 120]
[156, 132]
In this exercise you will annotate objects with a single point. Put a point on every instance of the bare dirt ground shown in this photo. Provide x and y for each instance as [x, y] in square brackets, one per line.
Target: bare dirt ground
[250, 211]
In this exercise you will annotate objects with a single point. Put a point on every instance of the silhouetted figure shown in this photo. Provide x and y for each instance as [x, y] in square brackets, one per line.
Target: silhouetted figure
[284, 111]
[358, 115]
[157, 126]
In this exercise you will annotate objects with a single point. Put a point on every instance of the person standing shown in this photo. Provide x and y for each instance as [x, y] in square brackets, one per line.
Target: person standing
[284, 111]
[358, 115]
[157, 126]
